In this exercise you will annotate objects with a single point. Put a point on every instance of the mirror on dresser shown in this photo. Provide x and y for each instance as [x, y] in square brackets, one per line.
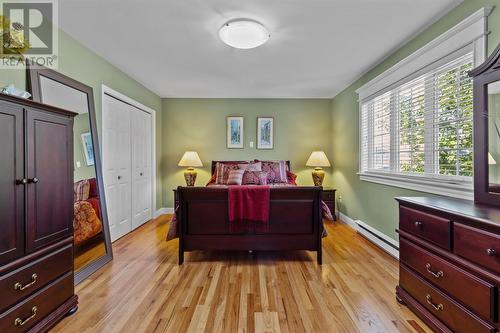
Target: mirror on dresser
[487, 130]
[494, 137]
[91, 230]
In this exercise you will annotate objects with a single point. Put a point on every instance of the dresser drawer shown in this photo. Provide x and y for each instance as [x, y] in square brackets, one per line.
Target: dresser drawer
[478, 246]
[24, 281]
[477, 294]
[441, 306]
[38, 306]
[432, 228]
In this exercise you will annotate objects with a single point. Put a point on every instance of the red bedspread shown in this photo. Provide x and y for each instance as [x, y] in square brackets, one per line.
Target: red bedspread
[248, 208]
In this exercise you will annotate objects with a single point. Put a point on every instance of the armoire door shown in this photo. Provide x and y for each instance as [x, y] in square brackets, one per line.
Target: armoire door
[141, 167]
[116, 166]
[49, 173]
[11, 182]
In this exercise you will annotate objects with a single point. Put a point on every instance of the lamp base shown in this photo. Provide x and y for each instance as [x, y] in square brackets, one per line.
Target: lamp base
[190, 176]
[318, 175]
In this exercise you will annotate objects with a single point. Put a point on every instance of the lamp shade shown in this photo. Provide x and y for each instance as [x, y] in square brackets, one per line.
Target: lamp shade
[318, 159]
[190, 159]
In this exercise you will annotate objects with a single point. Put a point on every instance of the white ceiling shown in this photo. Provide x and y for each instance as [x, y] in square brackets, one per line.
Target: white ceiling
[317, 47]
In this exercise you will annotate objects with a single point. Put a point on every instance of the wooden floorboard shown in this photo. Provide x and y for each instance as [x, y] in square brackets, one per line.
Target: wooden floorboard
[144, 290]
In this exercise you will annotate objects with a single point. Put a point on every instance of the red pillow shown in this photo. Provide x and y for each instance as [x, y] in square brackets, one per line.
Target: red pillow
[94, 191]
[291, 178]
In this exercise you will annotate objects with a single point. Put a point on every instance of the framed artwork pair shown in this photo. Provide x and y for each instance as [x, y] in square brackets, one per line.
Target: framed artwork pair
[265, 132]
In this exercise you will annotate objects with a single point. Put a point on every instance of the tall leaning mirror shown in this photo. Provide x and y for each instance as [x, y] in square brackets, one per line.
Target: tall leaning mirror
[91, 229]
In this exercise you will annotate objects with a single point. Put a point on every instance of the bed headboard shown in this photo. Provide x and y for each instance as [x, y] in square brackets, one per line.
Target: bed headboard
[215, 162]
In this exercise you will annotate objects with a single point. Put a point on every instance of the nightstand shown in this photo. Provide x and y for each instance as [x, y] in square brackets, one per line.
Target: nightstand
[176, 198]
[329, 199]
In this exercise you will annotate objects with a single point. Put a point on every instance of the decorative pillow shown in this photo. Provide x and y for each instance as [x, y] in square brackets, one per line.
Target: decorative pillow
[81, 190]
[276, 171]
[291, 178]
[252, 166]
[222, 172]
[255, 178]
[235, 177]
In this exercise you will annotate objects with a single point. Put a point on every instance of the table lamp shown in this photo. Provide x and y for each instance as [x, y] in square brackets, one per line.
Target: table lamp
[190, 159]
[318, 160]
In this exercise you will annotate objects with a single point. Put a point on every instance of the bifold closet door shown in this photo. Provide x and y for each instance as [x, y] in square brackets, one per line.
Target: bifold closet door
[116, 155]
[141, 167]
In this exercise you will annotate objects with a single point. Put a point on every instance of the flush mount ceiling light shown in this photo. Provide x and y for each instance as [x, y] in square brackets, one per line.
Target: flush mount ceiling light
[243, 34]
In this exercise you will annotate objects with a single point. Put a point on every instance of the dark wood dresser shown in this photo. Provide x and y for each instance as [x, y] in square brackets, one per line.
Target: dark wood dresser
[450, 263]
[36, 215]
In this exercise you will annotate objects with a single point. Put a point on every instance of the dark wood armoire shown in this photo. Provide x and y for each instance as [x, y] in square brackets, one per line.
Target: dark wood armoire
[36, 215]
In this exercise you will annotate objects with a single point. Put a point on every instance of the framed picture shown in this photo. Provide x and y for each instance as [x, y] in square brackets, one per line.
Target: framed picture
[265, 133]
[234, 132]
[88, 149]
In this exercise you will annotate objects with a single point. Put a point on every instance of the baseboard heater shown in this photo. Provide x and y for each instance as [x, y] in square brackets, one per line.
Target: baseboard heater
[384, 242]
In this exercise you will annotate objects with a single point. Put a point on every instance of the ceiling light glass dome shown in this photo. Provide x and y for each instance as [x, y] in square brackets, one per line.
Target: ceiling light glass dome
[244, 34]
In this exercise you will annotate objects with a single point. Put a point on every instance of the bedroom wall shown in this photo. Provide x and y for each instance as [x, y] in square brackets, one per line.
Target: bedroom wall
[300, 126]
[82, 64]
[369, 202]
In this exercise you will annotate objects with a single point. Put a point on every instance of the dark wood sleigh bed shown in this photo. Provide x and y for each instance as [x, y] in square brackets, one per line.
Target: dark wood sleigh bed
[295, 221]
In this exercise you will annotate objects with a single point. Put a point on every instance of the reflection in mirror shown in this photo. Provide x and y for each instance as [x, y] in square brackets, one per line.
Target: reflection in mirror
[494, 137]
[91, 231]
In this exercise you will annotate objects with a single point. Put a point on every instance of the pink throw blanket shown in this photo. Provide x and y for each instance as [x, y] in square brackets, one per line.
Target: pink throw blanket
[248, 208]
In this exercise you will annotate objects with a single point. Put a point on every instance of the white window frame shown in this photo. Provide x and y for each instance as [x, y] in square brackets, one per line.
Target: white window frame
[472, 33]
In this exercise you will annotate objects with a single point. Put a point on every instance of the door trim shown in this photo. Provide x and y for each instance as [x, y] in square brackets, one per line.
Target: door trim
[105, 90]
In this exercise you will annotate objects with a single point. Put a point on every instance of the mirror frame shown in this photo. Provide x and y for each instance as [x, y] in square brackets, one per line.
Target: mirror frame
[483, 75]
[33, 74]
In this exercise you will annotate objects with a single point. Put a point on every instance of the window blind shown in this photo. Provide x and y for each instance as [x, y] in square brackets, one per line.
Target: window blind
[422, 127]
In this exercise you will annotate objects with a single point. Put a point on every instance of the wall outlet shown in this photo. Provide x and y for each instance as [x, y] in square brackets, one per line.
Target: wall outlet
[251, 144]
[78, 164]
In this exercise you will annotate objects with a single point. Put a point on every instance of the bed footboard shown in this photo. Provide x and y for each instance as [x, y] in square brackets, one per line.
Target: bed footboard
[295, 221]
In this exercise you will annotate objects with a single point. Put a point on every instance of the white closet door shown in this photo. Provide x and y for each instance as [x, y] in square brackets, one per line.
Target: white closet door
[116, 165]
[141, 167]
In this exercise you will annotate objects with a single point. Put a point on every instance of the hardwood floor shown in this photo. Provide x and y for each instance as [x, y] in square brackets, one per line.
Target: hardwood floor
[144, 290]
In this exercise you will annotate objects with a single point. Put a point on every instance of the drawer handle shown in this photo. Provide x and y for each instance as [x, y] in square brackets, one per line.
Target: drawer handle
[491, 252]
[437, 275]
[418, 224]
[20, 322]
[20, 287]
[438, 307]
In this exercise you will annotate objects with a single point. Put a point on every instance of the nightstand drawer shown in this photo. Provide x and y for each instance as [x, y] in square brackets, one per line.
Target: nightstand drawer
[472, 291]
[426, 226]
[328, 195]
[479, 246]
[452, 314]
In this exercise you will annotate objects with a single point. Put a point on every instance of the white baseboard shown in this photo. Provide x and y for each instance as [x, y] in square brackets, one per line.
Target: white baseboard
[163, 211]
[381, 240]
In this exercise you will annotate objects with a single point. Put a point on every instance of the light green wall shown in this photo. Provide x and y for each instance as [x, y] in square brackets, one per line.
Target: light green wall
[300, 126]
[374, 203]
[81, 125]
[80, 63]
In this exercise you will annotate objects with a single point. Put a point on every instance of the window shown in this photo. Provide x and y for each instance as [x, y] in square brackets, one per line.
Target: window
[423, 127]
[415, 118]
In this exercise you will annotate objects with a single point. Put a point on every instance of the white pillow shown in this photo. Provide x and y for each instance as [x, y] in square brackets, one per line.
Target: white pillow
[235, 177]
